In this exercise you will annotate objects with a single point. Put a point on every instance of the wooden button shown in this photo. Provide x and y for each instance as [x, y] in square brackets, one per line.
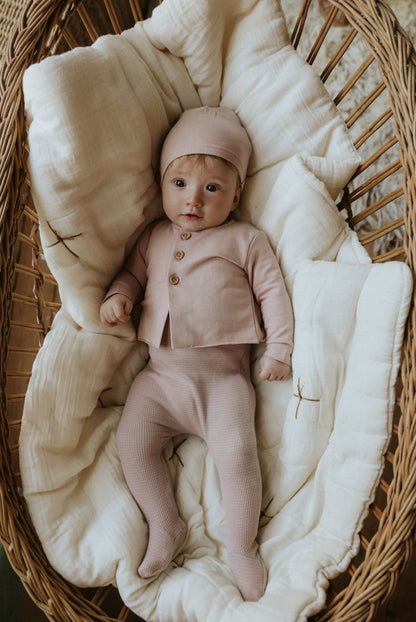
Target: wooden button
[173, 279]
[179, 255]
[186, 235]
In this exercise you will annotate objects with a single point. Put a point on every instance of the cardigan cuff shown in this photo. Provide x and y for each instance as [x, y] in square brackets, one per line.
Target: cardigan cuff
[280, 352]
[127, 285]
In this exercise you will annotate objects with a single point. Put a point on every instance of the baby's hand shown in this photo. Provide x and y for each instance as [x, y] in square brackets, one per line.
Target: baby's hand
[116, 309]
[271, 369]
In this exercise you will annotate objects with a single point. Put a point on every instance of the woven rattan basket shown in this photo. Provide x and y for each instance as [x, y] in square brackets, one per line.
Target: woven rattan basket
[377, 98]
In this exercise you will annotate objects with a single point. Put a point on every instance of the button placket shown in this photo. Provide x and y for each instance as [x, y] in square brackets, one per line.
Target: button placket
[174, 279]
[179, 255]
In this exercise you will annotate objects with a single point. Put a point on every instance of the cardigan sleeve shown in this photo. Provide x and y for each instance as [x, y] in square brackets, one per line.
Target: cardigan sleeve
[270, 291]
[131, 280]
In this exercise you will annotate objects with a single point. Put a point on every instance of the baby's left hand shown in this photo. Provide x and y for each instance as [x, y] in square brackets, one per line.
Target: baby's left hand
[271, 369]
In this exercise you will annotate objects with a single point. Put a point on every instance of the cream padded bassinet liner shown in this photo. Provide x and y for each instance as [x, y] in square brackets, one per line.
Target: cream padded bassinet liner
[96, 117]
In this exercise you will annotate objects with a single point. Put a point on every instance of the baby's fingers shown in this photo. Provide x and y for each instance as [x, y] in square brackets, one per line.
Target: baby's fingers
[265, 375]
[121, 311]
[108, 317]
[272, 370]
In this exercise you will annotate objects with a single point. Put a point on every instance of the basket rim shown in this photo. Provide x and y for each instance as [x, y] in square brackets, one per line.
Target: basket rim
[376, 22]
[379, 572]
[51, 593]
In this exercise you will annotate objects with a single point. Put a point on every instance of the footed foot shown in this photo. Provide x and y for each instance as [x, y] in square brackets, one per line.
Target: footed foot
[163, 546]
[250, 574]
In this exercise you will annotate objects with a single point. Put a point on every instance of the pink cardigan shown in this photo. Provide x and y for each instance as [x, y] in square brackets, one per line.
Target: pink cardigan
[218, 286]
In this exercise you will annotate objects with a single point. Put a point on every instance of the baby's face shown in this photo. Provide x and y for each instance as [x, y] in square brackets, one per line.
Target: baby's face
[199, 193]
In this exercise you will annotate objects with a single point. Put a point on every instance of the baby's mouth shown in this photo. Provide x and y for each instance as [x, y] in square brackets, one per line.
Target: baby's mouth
[192, 216]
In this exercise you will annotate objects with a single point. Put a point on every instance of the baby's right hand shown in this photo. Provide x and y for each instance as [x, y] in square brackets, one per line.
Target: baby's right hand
[116, 309]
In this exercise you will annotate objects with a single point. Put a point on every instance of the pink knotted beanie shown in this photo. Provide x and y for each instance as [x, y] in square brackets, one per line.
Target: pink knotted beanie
[209, 131]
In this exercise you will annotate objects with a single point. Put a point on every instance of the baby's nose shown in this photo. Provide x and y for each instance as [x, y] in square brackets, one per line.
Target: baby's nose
[195, 199]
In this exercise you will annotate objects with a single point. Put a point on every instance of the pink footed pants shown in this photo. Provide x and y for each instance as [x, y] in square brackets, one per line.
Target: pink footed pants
[206, 392]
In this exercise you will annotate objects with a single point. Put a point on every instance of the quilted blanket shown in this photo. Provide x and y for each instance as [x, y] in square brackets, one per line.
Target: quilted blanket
[96, 117]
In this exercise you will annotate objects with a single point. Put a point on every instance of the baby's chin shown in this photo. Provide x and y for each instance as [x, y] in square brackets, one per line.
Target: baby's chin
[193, 222]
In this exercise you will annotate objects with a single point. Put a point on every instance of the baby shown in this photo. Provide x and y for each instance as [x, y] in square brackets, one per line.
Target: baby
[209, 286]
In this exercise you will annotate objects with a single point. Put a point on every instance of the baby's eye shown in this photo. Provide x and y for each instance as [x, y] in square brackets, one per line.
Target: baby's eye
[212, 188]
[179, 183]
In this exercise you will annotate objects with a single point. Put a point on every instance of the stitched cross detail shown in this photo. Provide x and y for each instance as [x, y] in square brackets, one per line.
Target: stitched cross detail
[301, 397]
[264, 513]
[175, 451]
[62, 240]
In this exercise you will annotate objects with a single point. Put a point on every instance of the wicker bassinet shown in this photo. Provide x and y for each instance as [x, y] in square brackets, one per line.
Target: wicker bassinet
[378, 99]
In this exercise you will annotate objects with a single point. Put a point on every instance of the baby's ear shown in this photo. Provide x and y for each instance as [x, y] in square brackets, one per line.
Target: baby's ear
[237, 195]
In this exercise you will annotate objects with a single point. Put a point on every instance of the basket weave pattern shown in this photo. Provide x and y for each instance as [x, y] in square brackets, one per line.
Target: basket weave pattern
[29, 297]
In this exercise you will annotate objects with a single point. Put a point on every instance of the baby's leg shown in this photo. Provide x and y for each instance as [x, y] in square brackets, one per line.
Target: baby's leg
[232, 442]
[141, 437]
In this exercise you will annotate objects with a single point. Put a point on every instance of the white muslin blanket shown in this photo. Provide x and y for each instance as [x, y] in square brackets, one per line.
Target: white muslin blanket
[96, 118]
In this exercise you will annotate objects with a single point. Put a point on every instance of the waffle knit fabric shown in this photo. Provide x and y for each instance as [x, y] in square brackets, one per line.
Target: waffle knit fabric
[206, 392]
